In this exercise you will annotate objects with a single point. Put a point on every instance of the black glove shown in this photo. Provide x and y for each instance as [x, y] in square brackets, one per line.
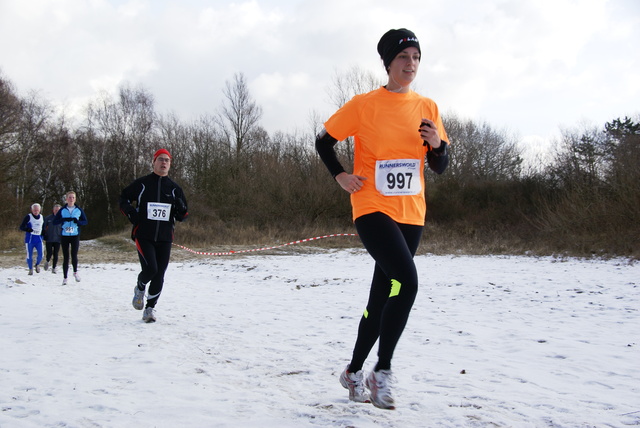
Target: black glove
[28, 229]
[181, 206]
[133, 217]
[72, 219]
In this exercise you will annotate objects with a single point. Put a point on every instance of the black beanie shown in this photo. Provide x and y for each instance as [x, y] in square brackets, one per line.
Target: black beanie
[395, 41]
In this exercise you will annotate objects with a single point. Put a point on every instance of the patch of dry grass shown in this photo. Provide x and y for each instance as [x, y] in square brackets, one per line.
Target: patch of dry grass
[119, 248]
[456, 240]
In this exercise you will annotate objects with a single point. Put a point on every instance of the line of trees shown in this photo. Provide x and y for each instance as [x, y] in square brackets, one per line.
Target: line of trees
[238, 177]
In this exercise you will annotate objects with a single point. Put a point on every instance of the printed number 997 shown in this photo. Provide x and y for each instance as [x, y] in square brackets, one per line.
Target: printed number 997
[399, 180]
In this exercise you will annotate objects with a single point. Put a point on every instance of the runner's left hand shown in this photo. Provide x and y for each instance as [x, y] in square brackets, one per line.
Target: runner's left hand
[429, 133]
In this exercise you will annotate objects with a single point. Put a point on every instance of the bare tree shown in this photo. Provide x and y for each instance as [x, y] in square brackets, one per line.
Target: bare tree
[10, 108]
[30, 148]
[118, 138]
[55, 172]
[480, 152]
[9, 115]
[175, 136]
[623, 153]
[345, 85]
[580, 158]
[240, 114]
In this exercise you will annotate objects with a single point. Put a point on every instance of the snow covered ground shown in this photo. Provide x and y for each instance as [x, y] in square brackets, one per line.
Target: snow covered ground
[259, 340]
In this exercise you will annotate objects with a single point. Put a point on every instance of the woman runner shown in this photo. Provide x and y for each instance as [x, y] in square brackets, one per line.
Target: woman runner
[394, 129]
[71, 217]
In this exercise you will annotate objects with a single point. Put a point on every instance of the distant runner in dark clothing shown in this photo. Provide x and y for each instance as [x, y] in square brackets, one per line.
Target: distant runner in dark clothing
[52, 234]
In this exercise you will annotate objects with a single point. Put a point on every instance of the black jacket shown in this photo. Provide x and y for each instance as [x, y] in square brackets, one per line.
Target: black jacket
[52, 232]
[159, 201]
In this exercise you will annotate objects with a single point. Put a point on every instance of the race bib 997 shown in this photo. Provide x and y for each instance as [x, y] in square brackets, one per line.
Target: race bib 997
[398, 177]
[158, 211]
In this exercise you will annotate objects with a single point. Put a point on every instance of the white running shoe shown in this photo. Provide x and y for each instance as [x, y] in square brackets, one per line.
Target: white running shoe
[37, 268]
[354, 382]
[76, 276]
[64, 281]
[149, 315]
[53, 270]
[379, 384]
[46, 266]
[30, 271]
[138, 298]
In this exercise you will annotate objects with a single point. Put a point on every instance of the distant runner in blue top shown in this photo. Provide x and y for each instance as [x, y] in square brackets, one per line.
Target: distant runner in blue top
[32, 225]
[71, 217]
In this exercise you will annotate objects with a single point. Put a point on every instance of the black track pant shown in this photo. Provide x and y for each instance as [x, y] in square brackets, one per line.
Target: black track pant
[52, 251]
[65, 243]
[154, 259]
[393, 288]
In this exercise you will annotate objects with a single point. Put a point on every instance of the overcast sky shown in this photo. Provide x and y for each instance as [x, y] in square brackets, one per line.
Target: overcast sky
[531, 67]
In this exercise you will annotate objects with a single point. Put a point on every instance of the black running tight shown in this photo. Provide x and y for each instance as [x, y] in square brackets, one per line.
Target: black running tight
[154, 259]
[53, 248]
[65, 243]
[393, 288]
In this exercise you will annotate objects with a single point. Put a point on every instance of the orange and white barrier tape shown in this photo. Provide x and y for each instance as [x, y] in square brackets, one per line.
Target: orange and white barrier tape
[229, 253]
